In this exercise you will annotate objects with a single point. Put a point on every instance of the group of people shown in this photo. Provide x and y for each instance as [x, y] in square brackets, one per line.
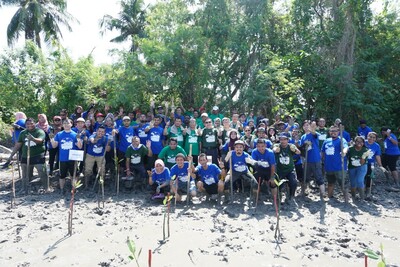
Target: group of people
[190, 151]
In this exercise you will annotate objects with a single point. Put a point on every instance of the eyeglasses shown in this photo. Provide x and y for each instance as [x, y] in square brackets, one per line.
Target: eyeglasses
[208, 121]
[247, 130]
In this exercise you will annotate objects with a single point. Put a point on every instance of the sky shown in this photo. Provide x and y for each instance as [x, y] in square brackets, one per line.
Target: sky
[85, 35]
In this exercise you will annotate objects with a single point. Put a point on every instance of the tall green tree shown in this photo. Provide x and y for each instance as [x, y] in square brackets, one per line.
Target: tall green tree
[38, 19]
[130, 22]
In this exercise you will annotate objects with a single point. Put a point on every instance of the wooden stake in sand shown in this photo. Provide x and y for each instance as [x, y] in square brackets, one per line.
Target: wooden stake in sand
[188, 179]
[167, 204]
[231, 171]
[116, 163]
[75, 184]
[303, 186]
[342, 157]
[149, 259]
[28, 159]
[258, 193]
[13, 187]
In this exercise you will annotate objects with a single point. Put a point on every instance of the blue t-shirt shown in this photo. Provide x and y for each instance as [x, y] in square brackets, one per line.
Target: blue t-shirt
[209, 176]
[97, 149]
[181, 173]
[66, 142]
[239, 162]
[264, 160]
[142, 134]
[346, 136]
[125, 137]
[313, 152]
[390, 148]
[21, 124]
[155, 135]
[162, 177]
[363, 131]
[376, 149]
[333, 160]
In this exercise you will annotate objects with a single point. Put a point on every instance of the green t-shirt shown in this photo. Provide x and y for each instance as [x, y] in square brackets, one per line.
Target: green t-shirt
[137, 155]
[354, 157]
[178, 136]
[193, 139]
[168, 155]
[35, 149]
[209, 138]
[284, 160]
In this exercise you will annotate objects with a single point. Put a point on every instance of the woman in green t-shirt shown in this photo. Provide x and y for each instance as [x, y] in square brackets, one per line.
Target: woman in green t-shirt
[357, 156]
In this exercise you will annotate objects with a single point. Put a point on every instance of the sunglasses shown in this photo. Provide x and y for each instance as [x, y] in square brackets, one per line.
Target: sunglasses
[208, 121]
[57, 120]
[247, 130]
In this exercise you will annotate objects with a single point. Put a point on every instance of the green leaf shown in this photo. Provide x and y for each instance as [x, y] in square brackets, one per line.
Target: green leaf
[140, 251]
[371, 254]
[131, 245]
[131, 257]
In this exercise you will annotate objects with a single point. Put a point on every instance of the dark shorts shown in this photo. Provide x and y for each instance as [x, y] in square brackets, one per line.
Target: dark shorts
[65, 167]
[263, 173]
[390, 161]
[211, 189]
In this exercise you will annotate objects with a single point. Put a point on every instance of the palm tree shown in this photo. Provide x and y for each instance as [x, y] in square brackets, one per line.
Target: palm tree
[130, 23]
[38, 17]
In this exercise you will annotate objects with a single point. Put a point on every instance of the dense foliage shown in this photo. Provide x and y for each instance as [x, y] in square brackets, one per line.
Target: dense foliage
[309, 58]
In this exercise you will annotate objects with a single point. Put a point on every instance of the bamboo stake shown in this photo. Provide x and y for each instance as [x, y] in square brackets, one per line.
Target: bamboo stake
[188, 180]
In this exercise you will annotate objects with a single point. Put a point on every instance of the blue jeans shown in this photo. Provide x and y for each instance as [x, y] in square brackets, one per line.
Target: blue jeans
[357, 175]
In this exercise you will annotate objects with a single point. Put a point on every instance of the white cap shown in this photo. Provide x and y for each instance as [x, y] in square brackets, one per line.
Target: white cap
[126, 118]
[215, 108]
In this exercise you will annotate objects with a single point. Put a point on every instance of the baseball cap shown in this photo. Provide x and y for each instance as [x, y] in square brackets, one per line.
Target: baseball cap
[99, 115]
[126, 118]
[80, 119]
[215, 108]
[283, 135]
[239, 142]
[204, 115]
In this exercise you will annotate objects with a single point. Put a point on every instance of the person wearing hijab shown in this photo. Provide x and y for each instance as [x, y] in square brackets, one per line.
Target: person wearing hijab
[159, 180]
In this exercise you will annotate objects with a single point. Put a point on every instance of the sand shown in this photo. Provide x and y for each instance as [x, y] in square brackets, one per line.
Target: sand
[35, 233]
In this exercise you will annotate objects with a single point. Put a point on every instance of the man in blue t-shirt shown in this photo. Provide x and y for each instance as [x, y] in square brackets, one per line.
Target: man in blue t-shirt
[97, 145]
[391, 154]
[124, 135]
[310, 143]
[363, 130]
[65, 141]
[179, 177]
[156, 137]
[141, 129]
[239, 160]
[334, 164]
[265, 167]
[209, 174]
